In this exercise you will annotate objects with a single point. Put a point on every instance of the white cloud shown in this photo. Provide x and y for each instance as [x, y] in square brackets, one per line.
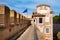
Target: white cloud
[20, 5]
[27, 15]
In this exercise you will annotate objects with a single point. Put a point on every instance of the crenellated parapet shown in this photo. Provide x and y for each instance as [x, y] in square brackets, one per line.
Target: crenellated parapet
[11, 22]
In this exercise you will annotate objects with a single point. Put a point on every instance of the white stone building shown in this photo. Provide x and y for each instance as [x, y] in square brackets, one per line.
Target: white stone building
[43, 21]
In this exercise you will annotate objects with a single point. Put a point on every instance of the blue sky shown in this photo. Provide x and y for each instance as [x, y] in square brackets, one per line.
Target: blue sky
[21, 5]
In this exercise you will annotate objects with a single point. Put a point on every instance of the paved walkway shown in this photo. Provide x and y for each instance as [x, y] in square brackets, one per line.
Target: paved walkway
[29, 34]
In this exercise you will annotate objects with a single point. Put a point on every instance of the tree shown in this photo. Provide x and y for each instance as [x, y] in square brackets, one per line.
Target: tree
[56, 18]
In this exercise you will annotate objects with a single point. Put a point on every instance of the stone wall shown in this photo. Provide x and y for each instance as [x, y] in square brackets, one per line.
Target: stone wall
[8, 20]
[4, 13]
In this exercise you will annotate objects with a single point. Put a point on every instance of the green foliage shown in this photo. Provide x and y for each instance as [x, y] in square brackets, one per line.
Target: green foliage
[56, 18]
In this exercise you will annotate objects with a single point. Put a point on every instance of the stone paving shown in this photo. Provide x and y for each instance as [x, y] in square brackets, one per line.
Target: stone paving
[29, 34]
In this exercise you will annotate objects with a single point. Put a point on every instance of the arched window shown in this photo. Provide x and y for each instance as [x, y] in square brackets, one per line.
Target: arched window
[40, 20]
[47, 30]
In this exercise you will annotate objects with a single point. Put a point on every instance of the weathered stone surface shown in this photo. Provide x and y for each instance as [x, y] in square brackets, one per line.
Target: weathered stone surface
[4, 15]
